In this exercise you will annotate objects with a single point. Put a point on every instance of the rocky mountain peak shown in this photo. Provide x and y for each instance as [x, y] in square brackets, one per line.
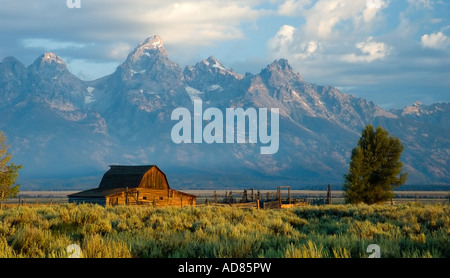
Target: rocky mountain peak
[50, 57]
[437, 113]
[149, 48]
[212, 62]
[48, 64]
[210, 75]
[11, 61]
[280, 71]
[210, 65]
[149, 58]
[414, 109]
[281, 64]
[10, 67]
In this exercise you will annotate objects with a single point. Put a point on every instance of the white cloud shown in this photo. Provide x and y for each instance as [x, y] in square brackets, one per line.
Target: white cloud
[292, 7]
[106, 31]
[199, 22]
[282, 40]
[194, 22]
[312, 47]
[49, 44]
[373, 8]
[306, 50]
[283, 44]
[436, 40]
[372, 51]
[329, 28]
[323, 19]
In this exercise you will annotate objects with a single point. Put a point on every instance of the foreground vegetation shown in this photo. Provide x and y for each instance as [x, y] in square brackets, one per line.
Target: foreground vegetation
[335, 231]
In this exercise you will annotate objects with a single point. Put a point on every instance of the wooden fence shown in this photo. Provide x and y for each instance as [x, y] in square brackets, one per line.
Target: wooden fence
[250, 198]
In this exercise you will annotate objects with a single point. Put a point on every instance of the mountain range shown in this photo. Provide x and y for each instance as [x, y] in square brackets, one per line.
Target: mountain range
[66, 131]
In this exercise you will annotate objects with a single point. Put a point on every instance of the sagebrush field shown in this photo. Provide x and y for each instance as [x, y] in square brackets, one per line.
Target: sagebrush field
[334, 231]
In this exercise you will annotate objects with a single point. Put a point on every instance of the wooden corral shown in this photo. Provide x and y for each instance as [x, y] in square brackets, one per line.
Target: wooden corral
[254, 199]
[280, 202]
[134, 185]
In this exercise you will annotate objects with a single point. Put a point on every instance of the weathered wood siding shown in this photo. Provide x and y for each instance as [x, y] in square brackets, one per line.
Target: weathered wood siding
[152, 197]
[271, 204]
[154, 179]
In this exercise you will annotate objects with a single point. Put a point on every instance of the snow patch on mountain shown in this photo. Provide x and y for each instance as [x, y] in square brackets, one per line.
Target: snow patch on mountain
[216, 65]
[215, 87]
[193, 93]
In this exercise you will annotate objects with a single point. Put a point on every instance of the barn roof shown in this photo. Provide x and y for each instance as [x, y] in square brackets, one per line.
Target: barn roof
[120, 176]
[97, 192]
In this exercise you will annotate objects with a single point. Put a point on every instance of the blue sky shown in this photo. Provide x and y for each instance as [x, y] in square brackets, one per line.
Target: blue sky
[393, 52]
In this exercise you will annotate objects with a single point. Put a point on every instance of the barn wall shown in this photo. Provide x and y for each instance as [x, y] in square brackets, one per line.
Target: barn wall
[154, 179]
[151, 197]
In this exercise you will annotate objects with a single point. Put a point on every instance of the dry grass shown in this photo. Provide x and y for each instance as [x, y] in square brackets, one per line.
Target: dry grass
[335, 231]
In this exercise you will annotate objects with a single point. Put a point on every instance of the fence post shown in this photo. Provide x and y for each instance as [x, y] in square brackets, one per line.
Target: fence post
[289, 194]
[279, 196]
[329, 195]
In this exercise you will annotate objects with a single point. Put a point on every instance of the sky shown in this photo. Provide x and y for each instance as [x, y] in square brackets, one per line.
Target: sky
[392, 52]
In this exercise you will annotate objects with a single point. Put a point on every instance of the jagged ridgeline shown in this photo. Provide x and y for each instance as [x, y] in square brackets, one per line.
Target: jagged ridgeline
[65, 130]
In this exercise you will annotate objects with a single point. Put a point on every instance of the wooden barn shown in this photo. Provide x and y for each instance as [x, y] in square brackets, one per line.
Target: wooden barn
[134, 185]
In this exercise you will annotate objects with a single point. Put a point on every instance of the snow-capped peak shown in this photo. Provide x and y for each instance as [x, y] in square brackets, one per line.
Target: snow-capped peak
[213, 62]
[50, 63]
[153, 42]
[150, 47]
[51, 57]
[415, 109]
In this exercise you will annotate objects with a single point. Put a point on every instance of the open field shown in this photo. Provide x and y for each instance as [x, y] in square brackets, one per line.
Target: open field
[410, 230]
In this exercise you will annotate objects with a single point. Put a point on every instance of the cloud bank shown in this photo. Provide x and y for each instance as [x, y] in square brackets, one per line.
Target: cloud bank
[376, 48]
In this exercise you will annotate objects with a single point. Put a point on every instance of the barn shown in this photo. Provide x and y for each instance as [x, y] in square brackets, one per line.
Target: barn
[134, 185]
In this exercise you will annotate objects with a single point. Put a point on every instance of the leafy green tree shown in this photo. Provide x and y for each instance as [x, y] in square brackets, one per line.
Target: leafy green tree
[375, 168]
[8, 173]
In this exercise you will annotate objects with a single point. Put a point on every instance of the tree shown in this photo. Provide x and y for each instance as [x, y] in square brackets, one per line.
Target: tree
[8, 173]
[375, 168]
